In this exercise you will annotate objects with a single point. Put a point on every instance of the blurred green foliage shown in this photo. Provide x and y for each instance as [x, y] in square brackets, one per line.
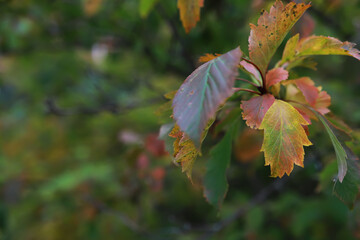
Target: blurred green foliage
[81, 83]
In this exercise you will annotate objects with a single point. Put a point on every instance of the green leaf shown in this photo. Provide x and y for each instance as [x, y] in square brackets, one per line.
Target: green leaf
[215, 181]
[341, 155]
[203, 92]
[146, 6]
[349, 188]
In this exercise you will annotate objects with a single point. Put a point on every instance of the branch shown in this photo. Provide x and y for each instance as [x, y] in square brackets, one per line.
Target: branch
[246, 90]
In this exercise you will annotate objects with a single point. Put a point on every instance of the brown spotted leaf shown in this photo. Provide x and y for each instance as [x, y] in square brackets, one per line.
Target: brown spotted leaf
[321, 45]
[203, 92]
[296, 52]
[255, 109]
[190, 12]
[284, 138]
[271, 30]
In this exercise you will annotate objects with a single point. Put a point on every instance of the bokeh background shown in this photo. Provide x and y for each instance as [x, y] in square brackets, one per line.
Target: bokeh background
[81, 85]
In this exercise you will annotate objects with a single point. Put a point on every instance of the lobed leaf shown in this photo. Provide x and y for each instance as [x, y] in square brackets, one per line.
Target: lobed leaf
[190, 12]
[215, 182]
[255, 109]
[284, 138]
[271, 30]
[200, 96]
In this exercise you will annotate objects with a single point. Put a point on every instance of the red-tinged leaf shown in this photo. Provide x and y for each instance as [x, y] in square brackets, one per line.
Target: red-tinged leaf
[203, 92]
[190, 12]
[322, 103]
[255, 109]
[275, 76]
[284, 138]
[308, 89]
[252, 70]
[271, 30]
[321, 45]
[208, 57]
[304, 93]
[304, 114]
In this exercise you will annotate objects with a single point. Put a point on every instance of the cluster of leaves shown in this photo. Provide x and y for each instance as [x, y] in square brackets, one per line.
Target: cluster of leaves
[284, 108]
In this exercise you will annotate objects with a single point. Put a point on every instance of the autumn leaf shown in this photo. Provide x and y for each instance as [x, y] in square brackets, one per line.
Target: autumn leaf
[208, 57]
[303, 91]
[284, 138]
[203, 92]
[190, 12]
[185, 151]
[308, 89]
[297, 51]
[321, 45]
[271, 30]
[255, 109]
[275, 76]
[215, 182]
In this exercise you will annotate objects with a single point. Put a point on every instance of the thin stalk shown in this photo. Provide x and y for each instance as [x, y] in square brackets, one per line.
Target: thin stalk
[247, 90]
[263, 89]
[247, 81]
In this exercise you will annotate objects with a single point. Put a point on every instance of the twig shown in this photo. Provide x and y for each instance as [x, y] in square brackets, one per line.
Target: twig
[247, 81]
[246, 90]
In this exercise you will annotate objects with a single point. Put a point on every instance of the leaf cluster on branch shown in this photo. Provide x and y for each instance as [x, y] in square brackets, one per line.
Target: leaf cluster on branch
[284, 106]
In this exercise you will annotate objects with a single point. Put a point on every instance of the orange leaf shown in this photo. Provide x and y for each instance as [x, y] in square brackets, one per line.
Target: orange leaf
[190, 12]
[255, 109]
[308, 89]
[208, 57]
[284, 138]
[275, 76]
[271, 30]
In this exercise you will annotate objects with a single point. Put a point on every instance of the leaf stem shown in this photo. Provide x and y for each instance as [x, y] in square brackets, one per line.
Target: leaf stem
[247, 81]
[247, 90]
[261, 74]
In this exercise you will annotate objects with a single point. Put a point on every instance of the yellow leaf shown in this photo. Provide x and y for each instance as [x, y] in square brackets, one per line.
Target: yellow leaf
[190, 12]
[185, 151]
[284, 138]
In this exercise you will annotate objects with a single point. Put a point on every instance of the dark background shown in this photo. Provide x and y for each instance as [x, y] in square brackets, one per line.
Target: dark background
[81, 83]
